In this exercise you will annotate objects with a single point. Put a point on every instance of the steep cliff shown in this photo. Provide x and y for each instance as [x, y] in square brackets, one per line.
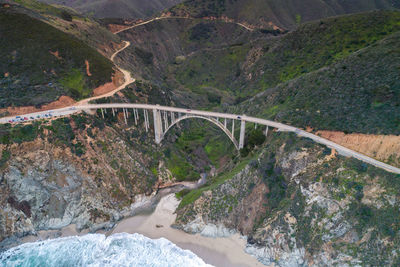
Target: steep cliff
[74, 171]
[299, 204]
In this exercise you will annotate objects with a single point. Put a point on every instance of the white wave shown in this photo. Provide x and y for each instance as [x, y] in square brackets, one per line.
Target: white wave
[98, 250]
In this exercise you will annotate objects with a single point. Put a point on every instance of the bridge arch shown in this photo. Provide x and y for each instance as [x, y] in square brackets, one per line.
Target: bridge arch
[213, 120]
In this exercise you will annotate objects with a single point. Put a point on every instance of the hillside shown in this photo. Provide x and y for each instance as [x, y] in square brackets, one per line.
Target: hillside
[159, 46]
[295, 202]
[257, 65]
[359, 93]
[80, 170]
[269, 13]
[70, 21]
[300, 205]
[310, 75]
[117, 8]
[54, 63]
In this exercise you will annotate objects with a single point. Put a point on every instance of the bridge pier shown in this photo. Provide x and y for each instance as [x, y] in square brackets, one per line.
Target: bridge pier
[242, 133]
[173, 117]
[266, 131]
[135, 115]
[102, 113]
[165, 120]
[157, 126]
[124, 111]
[146, 120]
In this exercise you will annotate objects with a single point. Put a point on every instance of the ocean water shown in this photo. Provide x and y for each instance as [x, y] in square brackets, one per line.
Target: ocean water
[98, 250]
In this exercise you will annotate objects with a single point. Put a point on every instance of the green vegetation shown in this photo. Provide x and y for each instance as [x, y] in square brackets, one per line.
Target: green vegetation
[315, 45]
[43, 8]
[210, 185]
[61, 132]
[75, 82]
[201, 31]
[5, 156]
[307, 49]
[145, 56]
[53, 64]
[199, 9]
[181, 169]
[212, 69]
[19, 133]
[287, 14]
[254, 137]
[291, 187]
[358, 94]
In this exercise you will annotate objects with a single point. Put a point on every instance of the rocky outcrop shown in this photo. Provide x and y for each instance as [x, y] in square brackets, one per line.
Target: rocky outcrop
[47, 183]
[300, 206]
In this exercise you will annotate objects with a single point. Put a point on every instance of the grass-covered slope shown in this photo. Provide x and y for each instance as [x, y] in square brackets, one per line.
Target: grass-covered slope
[40, 63]
[117, 8]
[287, 14]
[360, 93]
[248, 68]
[169, 41]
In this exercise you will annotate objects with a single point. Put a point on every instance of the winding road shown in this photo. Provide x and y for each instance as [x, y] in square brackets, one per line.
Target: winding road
[127, 79]
[161, 18]
[84, 105]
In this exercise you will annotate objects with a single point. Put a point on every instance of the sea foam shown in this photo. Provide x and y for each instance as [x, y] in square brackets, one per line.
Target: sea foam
[98, 250]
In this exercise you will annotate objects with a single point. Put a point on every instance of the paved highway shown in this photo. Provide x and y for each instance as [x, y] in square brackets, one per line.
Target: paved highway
[281, 127]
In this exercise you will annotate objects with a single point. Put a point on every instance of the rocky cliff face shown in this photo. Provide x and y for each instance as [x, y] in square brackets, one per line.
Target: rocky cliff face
[73, 171]
[301, 205]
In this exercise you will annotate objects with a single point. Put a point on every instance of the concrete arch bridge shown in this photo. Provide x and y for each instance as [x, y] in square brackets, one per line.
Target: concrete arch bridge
[164, 118]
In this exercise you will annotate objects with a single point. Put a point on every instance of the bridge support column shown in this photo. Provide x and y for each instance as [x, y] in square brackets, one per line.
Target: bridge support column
[172, 117]
[102, 113]
[124, 110]
[242, 134]
[157, 126]
[135, 115]
[165, 120]
[266, 131]
[113, 112]
[146, 120]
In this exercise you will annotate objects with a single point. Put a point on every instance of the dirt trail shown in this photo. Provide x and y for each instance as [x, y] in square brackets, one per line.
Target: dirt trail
[127, 79]
[122, 29]
[381, 147]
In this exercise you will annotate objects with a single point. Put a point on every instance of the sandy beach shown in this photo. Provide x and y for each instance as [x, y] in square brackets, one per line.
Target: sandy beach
[220, 252]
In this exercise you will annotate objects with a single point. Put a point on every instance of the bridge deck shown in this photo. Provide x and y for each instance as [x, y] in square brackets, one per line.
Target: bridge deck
[282, 127]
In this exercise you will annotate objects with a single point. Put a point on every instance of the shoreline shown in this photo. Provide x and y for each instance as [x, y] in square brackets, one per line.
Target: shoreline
[220, 252]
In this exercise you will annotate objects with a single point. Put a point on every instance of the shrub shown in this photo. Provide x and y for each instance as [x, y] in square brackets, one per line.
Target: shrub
[66, 16]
